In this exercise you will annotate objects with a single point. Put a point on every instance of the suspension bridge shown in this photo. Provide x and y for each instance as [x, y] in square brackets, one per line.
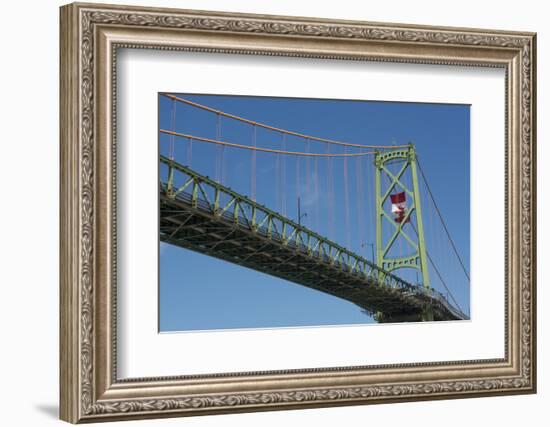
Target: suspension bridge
[204, 214]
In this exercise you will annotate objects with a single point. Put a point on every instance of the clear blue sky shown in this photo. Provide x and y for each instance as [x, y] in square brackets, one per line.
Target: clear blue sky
[198, 292]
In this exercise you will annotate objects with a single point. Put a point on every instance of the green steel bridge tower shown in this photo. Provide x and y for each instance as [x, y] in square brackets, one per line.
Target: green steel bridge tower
[417, 259]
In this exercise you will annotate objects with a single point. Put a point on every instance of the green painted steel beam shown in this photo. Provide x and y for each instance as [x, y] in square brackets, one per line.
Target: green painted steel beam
[417, 259]
[292, 232]
[283, 248]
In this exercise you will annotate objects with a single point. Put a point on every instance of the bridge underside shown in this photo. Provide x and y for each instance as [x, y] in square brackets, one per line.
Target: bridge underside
[199, 229]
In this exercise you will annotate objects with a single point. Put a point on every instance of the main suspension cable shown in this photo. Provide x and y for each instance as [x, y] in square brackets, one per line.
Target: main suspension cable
[438, 273]
[273, 128]
[265, 150]
[443, 281]
[443, 221]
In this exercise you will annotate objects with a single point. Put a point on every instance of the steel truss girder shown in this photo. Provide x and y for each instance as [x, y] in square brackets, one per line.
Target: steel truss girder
[309, 260]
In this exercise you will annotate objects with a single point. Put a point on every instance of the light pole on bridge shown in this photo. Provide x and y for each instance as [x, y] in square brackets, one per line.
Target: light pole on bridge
[372, 249]
[300, 215]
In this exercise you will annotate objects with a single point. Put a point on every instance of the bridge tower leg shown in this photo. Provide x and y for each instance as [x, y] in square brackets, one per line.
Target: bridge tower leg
[389, 182]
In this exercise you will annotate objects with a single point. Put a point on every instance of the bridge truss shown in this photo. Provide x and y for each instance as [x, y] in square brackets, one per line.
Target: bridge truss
[200, 214]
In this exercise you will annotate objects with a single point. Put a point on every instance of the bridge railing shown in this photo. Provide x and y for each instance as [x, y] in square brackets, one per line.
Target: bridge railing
[439, 297]
[205, 194]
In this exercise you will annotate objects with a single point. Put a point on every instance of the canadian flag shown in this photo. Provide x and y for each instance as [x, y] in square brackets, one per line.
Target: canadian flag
[399, 206]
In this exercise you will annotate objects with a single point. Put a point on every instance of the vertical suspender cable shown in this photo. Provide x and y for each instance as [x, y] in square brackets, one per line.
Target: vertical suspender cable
[361, 246]
[283, 174]
[330, 191]
[400, 238]
[388, 231]
[173, 128]
[316, 191]
[189, 152]
[346, 200]
[371, 206]
[219, 149]
[307, 179]
[222, 156]
[307, 166]
[278, 181]
[298, 189]
[253, 166]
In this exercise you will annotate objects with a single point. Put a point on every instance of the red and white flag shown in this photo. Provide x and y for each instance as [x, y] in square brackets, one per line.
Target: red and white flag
[399, 206]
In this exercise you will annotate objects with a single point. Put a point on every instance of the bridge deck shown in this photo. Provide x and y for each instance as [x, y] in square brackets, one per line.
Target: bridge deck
[193, 217]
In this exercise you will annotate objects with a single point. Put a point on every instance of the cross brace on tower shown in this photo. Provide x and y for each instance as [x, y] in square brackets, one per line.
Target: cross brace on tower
[400, 215]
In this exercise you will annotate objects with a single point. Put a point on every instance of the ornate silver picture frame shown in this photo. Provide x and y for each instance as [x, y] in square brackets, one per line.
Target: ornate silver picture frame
[92, 37]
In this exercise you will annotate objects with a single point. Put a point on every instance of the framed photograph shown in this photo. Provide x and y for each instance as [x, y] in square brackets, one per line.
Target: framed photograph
[268, 212]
